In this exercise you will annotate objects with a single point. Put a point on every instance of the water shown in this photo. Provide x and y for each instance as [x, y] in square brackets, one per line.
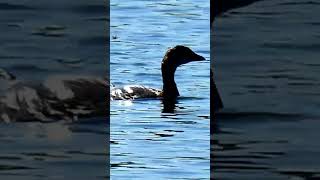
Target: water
[266, 67]
[145, 143]
[39, 40]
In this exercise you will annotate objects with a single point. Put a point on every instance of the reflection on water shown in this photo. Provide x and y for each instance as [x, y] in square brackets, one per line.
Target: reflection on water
[169, 105]
[267, 73]
[147, 143]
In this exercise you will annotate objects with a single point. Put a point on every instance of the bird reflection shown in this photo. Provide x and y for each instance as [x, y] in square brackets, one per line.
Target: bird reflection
[169, 105]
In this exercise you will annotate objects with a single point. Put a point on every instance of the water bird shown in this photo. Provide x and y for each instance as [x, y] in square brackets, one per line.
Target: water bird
[173, 58]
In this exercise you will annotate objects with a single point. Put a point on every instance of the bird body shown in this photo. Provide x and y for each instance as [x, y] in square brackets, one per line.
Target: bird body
[173, 58]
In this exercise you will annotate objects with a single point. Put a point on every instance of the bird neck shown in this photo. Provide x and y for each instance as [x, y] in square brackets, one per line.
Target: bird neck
[170, 89]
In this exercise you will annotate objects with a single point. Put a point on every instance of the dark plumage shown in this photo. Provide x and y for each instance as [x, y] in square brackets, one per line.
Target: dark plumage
[173, 58]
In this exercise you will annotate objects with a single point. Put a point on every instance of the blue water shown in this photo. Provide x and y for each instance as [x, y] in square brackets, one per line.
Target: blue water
[145, 143]
[267, 70]
[40, 39]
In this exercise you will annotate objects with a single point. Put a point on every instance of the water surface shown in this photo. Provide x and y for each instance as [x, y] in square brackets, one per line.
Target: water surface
[38, 40]
[266, 68]
[146, 143]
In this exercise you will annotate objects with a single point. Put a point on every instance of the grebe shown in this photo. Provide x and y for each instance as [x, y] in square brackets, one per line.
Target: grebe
[173, 58]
